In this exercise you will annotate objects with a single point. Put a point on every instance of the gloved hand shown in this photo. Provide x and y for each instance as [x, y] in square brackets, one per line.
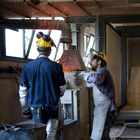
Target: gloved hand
[23, 94]
[84, 75]
[26, 112]
[79, 76]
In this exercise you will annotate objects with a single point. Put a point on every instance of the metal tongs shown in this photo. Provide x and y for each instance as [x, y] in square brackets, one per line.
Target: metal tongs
[8, 127]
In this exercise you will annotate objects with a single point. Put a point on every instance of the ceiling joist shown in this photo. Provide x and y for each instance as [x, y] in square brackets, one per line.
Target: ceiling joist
[14, 11]
[97, 4]
[127, 4]
[13, 0]
[80, 6]
[58, 9]
[36, 8]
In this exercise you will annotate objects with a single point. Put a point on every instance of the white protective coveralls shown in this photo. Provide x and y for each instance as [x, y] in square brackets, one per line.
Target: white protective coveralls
[102, 103]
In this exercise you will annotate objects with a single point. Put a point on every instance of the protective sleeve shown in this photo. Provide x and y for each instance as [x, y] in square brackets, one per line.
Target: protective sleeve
[62, 89]
[97, 77]
[23, 94]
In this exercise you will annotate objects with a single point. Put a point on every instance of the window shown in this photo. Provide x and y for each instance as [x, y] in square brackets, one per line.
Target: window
[14, 43]
[86, 40]
[91, 44]
[55, 35]
[59, 52]
[23, 43]
[33, 51]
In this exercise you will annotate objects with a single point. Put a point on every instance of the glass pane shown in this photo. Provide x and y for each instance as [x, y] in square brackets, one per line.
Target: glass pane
[14, 43]
[33, 51]
[28, 33]
[85, 43]
[59, 52]
[55, 35]
[59, 18]
[90, 45]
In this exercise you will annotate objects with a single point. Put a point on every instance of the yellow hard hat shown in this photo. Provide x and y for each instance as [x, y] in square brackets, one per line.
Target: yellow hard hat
[102, 55]
[44, 42]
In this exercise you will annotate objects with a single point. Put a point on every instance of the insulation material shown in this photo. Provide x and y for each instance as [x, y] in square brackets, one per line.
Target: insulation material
[133, 88]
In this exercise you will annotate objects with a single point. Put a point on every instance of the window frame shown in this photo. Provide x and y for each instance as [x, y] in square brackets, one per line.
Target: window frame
[25, 58]
[89, 42]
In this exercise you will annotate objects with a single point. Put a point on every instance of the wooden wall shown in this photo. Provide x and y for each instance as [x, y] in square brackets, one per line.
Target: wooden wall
[113, 51]
[10, 109]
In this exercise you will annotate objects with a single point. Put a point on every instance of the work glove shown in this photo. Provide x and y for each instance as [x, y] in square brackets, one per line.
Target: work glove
[26, 112]
[84, 74]
[23, 94]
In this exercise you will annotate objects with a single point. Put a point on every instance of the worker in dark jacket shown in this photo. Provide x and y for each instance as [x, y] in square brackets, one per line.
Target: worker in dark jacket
[104, 95]
[42, 84]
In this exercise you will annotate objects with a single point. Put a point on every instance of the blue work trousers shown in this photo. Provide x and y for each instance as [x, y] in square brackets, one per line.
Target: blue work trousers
[42, 114]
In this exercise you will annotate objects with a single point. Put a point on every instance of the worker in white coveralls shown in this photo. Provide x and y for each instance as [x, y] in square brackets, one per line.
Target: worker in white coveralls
[104, 95]
[42, 85]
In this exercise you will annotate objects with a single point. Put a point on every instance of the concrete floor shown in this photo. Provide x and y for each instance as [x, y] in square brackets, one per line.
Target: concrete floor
[114, 132]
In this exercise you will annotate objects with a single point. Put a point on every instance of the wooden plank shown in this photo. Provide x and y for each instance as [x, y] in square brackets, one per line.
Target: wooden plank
[130, 109]
[126, 108]
[131, 133]
[133, 125]
[136, 108]
[121, 132]
[131, 137]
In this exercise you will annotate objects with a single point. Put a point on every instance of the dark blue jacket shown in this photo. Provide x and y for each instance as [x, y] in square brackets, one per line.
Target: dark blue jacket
[43, 78]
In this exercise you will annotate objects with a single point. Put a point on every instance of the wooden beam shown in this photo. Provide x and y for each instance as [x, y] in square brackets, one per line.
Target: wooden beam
[133, 1]
[127, 4]
[129, 28]
[57, 9]
[82, 20]
[97, 4]
[14, 11]
[123, 19]
[114, 11]
[121, 132]
[36, 8]
[8, 27]
[13, 0]
[35, 24]
[80, 6]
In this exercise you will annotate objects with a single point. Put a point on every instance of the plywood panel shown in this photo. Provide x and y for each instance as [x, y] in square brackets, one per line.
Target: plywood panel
[113, 53]
[10, 108]
[133, 88]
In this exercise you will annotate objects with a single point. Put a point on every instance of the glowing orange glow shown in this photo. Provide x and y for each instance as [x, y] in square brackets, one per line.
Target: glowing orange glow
[71, 60]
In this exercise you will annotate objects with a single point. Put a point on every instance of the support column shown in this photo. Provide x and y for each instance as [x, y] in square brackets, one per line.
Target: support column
[123, 69]
[100, 34]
